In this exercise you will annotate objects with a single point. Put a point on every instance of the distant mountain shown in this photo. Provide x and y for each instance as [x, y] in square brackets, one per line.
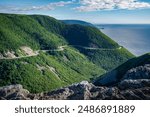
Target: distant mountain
[136, 68]
[43, 54]
[71, 22]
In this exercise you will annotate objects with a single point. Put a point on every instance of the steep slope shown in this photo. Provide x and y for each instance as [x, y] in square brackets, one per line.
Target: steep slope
[106, 58]
[119, 73]
[85, 37]
[76, 34]
[22, 30]
[48, 71]
[43, 54]
[32, 55]
[51, 24]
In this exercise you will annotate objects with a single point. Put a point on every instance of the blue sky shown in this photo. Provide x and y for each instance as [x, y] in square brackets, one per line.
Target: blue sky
[95, 11]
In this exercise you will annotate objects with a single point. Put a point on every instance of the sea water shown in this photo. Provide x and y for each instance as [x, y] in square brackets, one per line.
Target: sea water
[136, 38]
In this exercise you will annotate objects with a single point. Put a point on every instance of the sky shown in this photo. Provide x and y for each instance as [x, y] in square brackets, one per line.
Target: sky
[94, 11]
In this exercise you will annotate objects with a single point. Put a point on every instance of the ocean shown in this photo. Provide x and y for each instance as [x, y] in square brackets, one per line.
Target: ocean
[136, 38]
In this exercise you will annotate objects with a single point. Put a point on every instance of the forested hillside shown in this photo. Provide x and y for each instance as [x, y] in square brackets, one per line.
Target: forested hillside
[44, 54]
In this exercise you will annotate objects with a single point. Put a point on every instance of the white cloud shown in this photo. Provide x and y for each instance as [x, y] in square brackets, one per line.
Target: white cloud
[96, 5]
[84, 5]
[50, 6]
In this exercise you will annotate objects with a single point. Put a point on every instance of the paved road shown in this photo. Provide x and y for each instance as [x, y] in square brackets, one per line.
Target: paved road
[90, 48]
[60, 48]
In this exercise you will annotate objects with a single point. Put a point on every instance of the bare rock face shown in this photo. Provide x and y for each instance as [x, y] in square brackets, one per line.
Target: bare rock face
[134, 84]
[80, 91]
[10, 54]
[13, 92]
[141, 72]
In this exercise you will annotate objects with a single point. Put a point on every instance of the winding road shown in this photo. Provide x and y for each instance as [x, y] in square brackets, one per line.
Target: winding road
[36, 53]
[90, 48]
[60, 48]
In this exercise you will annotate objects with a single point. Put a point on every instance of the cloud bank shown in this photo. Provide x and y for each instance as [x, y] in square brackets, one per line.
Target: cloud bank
[50, 6]
[97, 5]
[82, 5]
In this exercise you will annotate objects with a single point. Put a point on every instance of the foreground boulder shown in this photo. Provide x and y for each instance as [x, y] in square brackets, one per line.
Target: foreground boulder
[130, 90]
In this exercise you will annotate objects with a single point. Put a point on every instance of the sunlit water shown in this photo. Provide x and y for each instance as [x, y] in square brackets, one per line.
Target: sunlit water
[136, 38]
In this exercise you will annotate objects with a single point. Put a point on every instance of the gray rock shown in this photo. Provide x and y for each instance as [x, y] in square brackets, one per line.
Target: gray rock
[13, 92]
[127, 89]
[88, 91]
[134, 84]
[141, 72]
[80, 91]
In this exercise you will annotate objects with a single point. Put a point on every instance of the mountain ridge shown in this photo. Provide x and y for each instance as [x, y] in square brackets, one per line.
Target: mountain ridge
[25, 35]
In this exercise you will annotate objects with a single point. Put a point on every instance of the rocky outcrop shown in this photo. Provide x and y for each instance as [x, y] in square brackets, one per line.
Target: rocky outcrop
[8, 54]
[140, 72]
[134, 84]
[13, 92]
[83, 91]
[88, 91]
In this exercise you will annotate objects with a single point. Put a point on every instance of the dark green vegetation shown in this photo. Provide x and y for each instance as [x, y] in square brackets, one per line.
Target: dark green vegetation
[76, 34]
[87, 36]
[49, 71]
[107, 59]
[22, 30]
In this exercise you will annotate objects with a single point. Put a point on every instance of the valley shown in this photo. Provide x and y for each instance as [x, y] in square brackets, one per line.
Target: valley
[42, 54]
